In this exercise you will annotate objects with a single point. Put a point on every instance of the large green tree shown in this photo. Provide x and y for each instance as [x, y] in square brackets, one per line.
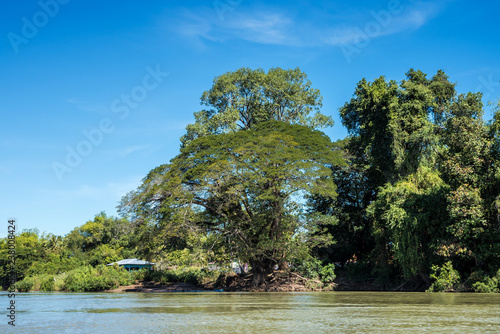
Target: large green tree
[431, 165]
[248, 186]
[245, 167]
[393, 135]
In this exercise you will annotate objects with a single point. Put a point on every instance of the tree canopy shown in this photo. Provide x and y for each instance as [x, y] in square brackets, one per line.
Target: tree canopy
[240, 99]
[246, 167]
[430, 171]
[248, 186]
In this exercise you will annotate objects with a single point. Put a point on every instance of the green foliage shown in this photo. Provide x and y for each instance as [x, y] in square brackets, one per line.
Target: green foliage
[313, 268]
[246, 186]
[257, 182]
[36, 283]
[53, 264]
[485, 284]
[188, 257]
[411, 212]
[429, 166]
[351, 230]
[489, 285]
[192, 275]
[82, 279]
[104, 237]
[47, 283]
[246, 97]
[96, 279]
[327, 273]
[41, 256]
[25, 285]
[139, 275]
[310, 268]
[445, 278]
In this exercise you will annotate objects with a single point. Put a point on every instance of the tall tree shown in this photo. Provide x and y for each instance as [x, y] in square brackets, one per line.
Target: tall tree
[396, 133]
[249, 186]
[244, 166]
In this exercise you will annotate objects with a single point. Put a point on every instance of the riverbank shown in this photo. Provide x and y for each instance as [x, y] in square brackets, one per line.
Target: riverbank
[142, 286]
[231, 282]
[279, 281]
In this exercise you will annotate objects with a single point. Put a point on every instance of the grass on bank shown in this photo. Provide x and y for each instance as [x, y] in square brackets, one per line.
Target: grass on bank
[82, 279]
[102, 277]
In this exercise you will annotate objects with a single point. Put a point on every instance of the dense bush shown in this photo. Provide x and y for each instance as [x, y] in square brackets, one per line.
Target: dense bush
[96, 279]
[36, 283]
[193, 275]
[314, 269]
[327, 273]
[487, 284]
[53, 264]
[47, 283]
[25, 285]
[82, 279]
[445, 278]
[140, 275]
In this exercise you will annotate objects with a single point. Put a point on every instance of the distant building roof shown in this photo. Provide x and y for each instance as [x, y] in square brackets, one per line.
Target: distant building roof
[134, 262]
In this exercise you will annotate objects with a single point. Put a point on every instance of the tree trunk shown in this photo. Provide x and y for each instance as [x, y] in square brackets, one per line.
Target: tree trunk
[283, 265]
[260, 270]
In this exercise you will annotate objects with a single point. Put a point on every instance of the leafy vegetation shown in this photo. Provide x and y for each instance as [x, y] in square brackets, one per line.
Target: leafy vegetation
[192, 275]
[445, 278]
[427, 164]
[411, 198]
[82, 279]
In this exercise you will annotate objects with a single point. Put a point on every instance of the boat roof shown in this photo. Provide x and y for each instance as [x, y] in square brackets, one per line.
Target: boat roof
[131, 262]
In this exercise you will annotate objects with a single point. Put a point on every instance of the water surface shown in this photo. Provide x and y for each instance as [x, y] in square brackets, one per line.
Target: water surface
[216, 312]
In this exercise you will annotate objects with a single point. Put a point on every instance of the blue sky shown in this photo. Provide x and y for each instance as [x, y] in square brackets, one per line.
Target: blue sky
[97, 93]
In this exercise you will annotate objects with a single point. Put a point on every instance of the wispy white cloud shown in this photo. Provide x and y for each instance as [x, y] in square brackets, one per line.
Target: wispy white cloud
[269, 26]
[375, 26]
[263, 28]
[415, 18]
[259, 27]
[143, 149]
[84, 106]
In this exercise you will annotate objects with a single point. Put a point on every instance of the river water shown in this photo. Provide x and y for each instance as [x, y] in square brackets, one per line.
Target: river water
[221, 312]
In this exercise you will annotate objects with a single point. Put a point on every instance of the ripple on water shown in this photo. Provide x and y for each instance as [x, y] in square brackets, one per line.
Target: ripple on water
[209, 312]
